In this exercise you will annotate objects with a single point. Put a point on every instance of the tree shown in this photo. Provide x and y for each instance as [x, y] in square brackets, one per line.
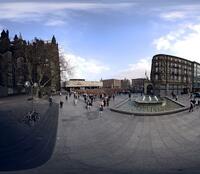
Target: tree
[66, 69]
[44, 66]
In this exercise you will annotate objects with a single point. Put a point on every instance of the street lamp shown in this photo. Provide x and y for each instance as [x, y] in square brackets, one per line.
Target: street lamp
[29, 85]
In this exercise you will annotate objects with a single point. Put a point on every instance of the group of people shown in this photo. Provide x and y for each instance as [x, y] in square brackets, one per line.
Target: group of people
[89, 100]
[104, 101]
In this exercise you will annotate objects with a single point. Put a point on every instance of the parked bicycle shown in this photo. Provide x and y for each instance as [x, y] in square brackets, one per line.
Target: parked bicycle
[31, 117]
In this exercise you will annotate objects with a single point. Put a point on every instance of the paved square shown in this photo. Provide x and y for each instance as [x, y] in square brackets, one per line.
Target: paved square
[117, 143]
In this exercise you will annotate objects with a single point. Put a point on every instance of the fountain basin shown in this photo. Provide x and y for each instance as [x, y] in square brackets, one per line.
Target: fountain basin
[163, 106]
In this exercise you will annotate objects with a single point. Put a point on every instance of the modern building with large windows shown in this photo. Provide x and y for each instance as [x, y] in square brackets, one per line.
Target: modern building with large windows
[174, 74]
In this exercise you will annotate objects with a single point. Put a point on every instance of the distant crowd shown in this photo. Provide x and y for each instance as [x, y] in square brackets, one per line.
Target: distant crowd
[102, 99]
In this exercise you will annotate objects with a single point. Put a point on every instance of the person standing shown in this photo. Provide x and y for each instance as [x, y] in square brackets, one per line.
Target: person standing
[50, 100]
[75, 101]
[129, 95]
[191, 106]
[88, 105]
[61, 103]
[107, 102]
[113, 97]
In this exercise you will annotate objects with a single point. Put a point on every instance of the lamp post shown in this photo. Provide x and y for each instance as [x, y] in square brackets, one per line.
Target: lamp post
[29, 85]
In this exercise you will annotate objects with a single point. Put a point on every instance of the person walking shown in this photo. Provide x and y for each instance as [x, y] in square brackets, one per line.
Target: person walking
[101, 110]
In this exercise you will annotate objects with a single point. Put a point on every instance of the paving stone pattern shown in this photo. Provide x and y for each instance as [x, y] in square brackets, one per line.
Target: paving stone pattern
[122, 144]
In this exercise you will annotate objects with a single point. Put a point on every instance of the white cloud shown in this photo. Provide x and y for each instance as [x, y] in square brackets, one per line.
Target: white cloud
[55, 22]
[136, 70]
[33, 11]
[89, 69]
[164, 42]
[174, 15]
[179, 12]
[185, 42]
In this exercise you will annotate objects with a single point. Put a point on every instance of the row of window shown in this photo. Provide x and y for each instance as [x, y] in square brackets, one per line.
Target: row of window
[172, 59]
[177, 78]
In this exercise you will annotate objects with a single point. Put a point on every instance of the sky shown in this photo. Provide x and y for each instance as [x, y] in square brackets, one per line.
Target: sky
[104, 39]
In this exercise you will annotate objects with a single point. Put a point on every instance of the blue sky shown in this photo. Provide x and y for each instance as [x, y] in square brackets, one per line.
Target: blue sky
[109, 38]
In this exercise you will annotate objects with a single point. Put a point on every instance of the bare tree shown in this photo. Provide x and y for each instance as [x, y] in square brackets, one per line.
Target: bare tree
[45, 66]
[66, 69]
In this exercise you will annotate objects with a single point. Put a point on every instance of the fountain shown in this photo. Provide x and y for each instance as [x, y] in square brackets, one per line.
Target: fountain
[149, 105]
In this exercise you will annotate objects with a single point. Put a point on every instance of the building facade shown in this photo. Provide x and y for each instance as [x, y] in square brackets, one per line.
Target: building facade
[74, 84]
[172, 74]
[196, 77]
[111, 83]
[21, 61]
[125, 84]
[138, 84]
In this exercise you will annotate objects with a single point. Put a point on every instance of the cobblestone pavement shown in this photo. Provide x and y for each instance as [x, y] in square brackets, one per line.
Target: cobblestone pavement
[116, 143]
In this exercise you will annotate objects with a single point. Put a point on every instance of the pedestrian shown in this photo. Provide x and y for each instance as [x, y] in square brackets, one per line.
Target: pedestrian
[104, 102]
[75, 101]
[90, 105]
[84, 96]
[61, 104]
[194, 102]
[101, 110]
[50, 100]
[172, 95]
[107, 102]
[66, 97]
[113, 97]
[191, 106]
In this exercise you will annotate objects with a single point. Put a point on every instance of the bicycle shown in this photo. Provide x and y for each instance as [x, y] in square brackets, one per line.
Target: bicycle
[31, 117]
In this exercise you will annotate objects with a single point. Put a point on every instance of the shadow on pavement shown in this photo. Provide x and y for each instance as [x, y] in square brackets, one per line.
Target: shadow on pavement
[24, 147]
